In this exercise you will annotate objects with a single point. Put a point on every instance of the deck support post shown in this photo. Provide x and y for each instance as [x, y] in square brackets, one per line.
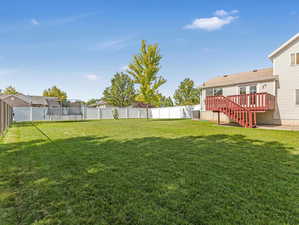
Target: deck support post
[218, 118]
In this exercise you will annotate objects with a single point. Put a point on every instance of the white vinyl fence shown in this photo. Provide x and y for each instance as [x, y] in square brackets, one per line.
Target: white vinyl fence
[40, 113]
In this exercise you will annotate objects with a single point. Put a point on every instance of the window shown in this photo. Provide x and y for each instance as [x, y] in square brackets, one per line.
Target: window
[252, 98]
[252, 89]
[242, 90]
[214, 91]
[297, 96]
[294, 59]
[218, 91]
[209, 92]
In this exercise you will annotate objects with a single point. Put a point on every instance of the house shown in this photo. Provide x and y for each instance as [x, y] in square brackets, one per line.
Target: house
[260, 96]
[20, 100]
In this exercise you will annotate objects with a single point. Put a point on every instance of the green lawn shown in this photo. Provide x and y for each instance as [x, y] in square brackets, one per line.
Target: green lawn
[148, 172]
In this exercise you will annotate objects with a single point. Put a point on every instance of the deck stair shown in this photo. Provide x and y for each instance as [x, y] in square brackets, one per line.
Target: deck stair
[241, 109]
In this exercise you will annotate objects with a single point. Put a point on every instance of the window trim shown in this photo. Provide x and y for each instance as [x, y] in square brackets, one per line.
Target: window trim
[296, 55]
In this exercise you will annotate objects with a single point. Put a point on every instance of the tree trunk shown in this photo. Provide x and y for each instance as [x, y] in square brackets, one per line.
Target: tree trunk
[147, 111]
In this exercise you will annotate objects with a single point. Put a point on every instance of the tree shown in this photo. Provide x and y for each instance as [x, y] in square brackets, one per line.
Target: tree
[121, 92]
[187, 94]
[55, 92]
[165, 101]
[144, 70]
[10, 90]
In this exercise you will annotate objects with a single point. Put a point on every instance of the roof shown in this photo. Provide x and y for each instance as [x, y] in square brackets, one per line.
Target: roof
[34, 100]
[241, 78]
[284, 45]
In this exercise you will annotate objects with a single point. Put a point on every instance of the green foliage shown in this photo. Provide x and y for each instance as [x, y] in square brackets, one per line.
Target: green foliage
[148, 172]
[115, 114]
[55, 92]
[165, 101]
[10, 90]
[144, 70]
[187, 94]
[121, 92]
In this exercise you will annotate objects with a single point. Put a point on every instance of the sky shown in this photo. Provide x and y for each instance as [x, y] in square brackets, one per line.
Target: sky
[80, 45]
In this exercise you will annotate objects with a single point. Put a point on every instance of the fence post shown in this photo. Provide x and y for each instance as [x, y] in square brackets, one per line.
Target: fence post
[31, 112]
[127, 113]
[98, 112]
[45, 113]
[139, 114]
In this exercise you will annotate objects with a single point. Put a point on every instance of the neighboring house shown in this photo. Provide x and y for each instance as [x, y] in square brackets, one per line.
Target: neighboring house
[265, 96]
[20, 100]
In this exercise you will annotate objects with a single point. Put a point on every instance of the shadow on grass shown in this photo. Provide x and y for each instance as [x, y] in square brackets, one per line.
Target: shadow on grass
[215, 179]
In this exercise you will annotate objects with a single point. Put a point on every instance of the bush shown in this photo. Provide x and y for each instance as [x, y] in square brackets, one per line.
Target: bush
[115, 114]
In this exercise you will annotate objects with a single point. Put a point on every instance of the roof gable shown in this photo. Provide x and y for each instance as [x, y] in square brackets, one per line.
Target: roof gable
[285, 45]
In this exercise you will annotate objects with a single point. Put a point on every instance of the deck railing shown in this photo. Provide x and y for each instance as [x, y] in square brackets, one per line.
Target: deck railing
[253, 102]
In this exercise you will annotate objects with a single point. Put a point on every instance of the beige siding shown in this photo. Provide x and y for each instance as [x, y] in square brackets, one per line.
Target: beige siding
[288, 83]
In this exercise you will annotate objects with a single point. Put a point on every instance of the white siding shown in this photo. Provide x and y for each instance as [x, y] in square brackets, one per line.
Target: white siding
[288, 83]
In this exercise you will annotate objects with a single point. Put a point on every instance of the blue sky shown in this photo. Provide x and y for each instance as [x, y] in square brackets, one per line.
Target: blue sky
[79, 45]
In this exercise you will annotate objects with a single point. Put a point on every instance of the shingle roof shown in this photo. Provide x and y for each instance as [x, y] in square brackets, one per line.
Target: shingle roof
[34, 100]
[240, 78]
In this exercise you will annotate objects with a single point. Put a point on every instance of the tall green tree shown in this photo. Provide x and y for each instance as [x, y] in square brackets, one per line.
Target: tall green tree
[187, 93]
[121, 92]
[55, 92]
[144, 70]
[10, 90]
[165, 101]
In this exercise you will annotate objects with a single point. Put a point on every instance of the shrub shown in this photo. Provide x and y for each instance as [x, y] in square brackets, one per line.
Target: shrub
[115, 114]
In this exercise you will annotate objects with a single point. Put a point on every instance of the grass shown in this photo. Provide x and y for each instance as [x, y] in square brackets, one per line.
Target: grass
[148, 172]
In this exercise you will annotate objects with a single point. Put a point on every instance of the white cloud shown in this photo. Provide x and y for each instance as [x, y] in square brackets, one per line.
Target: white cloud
[113, 44]
[235, 11]
[34, 22]
[216, 22]
[91, 77]
[220, 13]
[71, 19]
[110, 45]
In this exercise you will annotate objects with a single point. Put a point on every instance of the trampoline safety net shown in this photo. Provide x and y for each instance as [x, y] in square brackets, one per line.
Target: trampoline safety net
[58, 109]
